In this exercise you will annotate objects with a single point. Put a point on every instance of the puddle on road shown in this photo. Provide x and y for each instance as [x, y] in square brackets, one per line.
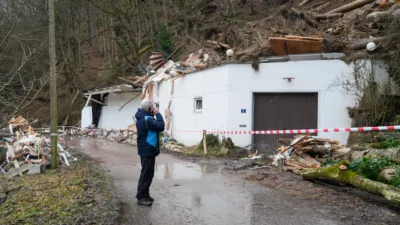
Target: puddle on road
[177, 171]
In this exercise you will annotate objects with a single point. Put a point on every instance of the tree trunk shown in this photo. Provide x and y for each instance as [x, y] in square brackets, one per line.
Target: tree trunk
[155, 14]
[53, 84]
[165, 13]
[252, 7]
[70, 108]
[89, 23]
[334, 173]
[230, 8]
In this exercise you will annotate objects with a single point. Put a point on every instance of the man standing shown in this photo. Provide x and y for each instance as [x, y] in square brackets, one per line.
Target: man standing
[148, 145]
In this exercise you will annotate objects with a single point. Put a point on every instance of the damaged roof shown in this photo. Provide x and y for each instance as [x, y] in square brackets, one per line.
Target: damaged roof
[114, 89]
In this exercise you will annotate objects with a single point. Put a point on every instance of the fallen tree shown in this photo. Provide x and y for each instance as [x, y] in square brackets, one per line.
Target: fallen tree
[339, 173]
[350, 7]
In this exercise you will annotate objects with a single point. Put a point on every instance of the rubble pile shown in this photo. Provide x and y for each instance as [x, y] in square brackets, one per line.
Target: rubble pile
[28, 150]
[308, 152]
[124, 136]
[342, 26]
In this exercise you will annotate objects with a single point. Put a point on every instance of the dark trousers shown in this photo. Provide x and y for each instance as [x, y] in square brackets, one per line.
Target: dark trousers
[146, 177]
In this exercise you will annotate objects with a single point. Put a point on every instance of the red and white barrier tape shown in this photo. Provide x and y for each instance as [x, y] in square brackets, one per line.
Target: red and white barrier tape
[300, 131]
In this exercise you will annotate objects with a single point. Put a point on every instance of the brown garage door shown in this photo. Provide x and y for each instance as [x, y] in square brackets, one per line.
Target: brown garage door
[281, 111]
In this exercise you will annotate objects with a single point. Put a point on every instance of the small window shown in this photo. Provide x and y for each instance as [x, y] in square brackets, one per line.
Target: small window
[198, 104]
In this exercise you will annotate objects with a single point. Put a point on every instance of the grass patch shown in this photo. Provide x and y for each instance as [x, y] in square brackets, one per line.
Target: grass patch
[391, 140]
[212, 142]
[79, 194]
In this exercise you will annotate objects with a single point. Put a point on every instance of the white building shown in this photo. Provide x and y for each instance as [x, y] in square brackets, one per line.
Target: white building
[112, 107]
[294, 92]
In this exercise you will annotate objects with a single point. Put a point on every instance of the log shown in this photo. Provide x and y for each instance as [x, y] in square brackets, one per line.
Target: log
[334, 173]
[363, 45]
[351, 6]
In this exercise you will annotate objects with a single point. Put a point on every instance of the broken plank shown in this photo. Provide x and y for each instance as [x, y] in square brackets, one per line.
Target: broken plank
[142, 79]
[308, 158]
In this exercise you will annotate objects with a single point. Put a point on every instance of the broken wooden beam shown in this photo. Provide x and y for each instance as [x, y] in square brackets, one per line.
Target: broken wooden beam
[126, 80]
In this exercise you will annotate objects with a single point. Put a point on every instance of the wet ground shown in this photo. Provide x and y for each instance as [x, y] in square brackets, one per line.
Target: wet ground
[202, 192]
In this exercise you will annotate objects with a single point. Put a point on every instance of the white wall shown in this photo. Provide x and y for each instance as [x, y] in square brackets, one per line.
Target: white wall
[212, 86]
[310, 76]
[229, 88]
[86, 117]
[111, 118]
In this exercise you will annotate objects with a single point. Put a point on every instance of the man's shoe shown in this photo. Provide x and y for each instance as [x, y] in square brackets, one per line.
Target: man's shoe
[145, 202]
[151, 199]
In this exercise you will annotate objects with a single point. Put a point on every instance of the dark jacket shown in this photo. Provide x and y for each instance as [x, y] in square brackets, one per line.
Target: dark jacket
[148, 130]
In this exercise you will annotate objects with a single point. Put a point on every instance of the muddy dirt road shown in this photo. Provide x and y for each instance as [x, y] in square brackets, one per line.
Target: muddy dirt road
[198, 193]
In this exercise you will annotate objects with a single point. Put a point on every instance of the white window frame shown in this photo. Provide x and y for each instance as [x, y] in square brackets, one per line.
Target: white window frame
[195, 105]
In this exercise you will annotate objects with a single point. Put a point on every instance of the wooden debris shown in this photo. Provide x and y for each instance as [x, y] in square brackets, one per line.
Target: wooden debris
[351, 6]
[19, 121]
[308, 158]
[302, 146]
[304, 2]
